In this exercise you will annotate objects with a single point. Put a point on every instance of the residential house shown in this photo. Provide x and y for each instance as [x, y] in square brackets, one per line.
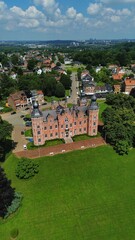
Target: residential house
[128, 85]
[17, 100]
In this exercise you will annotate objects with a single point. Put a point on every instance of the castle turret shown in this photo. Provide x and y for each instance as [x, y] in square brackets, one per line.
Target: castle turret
[93, 111]
[37, 125]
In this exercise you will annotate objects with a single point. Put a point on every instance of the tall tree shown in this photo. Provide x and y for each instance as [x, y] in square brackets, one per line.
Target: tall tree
[60, 90]
[66, 81]
[5, 129]
[6, 193]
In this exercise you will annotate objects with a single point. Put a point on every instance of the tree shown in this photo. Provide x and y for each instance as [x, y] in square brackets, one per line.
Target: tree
[60, 90]
[49, 85]
[5, 129]
[6, 193]
[66, 81]
[122, 147]
[7, 86]
[26, 169]
[14, 59]
[31, 64]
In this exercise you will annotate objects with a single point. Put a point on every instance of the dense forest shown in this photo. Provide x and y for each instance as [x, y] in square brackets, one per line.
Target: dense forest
[121, 54]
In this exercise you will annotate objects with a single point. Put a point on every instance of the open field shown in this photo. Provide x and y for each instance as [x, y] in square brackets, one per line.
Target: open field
[87, 194]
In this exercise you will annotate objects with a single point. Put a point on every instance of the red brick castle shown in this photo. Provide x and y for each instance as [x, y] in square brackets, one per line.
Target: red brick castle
[64, 122]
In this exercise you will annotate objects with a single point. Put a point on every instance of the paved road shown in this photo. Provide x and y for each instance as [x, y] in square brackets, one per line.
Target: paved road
[74, 88]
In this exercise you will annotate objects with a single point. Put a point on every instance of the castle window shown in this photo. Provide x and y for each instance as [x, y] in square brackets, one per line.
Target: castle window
[38, 126]
[56, 134]
[80, 123]
[80, 130]
[61, 126]
[94, 130]
[94, 123]
[50, 127]
[66, 119]
[45, 128]
[45, 135]
[95, 117]
[66, 125]
[55, 126]
[39, 140]
[38, 132]
[51, 135]
[84, 121]
[74, 123]
[84, 129]
[70, 124]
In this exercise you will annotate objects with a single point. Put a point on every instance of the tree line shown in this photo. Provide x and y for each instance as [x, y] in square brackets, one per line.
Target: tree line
[45, 82]
[119, 122]
[121, 54]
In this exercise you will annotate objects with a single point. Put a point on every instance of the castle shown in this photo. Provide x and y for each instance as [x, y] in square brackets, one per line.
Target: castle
[64, 122]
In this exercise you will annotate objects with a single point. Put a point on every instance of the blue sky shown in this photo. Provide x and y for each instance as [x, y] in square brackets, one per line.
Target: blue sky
[71, 19]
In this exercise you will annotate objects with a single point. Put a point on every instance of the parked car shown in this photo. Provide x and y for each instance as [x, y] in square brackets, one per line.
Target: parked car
[44, 103]
[26, 119]
[24, 147]
[28, 124]
[22, 116]
[13, 113]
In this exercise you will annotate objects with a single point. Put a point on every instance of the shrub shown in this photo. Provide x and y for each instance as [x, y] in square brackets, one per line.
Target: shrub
[14, 233]
[122, 147]
[26, 169]
[15, 204]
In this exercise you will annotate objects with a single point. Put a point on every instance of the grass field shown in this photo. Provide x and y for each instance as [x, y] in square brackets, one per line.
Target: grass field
[81, 195]
[102, 106]
[48, 143]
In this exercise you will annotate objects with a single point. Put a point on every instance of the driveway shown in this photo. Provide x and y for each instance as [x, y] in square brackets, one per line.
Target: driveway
[19, 125]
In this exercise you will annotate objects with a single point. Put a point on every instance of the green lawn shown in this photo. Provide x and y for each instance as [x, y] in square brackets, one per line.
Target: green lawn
[102, 106]
[28, 133]
[48, 143]
[83, 137]
[87, 194]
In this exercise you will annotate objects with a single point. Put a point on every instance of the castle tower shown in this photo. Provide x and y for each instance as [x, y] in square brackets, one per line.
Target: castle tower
[37, 125]
[93, 111]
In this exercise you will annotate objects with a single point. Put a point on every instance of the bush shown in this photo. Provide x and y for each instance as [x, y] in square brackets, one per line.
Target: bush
[26, 169]
[14, 233]
[122, 147]
[15, 204]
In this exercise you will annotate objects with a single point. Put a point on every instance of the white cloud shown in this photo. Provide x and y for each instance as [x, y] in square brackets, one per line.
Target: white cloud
[48, 5]
[94, 8]
[124, 11]
[32, 23]
[71, 12]
[17, 11]
[3, 6]
[115, 19]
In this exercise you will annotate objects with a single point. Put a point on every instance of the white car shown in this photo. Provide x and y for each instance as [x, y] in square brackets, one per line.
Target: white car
[24, 147]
